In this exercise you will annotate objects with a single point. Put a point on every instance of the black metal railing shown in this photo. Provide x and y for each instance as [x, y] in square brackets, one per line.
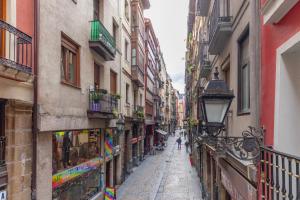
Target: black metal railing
[101, 102]
[279, 175]
[15, 48]
[2, 150]
[216, 18]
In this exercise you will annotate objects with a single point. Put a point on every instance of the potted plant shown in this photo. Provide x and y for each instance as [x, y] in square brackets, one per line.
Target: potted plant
[117, 96]
[103, 91]
[96, 96]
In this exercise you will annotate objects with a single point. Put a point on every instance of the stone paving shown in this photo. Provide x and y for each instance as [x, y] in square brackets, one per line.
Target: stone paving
[167, 175]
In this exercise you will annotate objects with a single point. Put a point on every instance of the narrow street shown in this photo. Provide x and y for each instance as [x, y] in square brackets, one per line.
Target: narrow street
[167, 175]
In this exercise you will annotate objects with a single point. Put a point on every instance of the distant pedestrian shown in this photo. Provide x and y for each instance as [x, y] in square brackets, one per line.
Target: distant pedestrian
[185, 134]
[186, 146]
[179, 142]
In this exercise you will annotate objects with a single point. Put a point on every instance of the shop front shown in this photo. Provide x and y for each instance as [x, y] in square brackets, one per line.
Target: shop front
[77, 164]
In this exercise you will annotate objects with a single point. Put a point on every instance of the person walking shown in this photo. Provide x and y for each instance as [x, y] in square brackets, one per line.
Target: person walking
[179, 143]
[185, 134]
[186, 146]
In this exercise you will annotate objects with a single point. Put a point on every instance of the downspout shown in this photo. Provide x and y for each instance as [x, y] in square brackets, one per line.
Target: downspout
[35, 103]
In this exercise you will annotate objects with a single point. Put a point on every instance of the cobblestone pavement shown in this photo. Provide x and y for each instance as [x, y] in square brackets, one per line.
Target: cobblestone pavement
[167, 175]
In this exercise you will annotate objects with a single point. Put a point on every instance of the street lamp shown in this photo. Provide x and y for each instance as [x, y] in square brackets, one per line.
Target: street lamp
[120, 124]
[215, 102]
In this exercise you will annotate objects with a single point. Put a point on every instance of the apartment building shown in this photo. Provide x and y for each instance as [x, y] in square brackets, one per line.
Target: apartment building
[151, 93]
[224, 34]
[280, 37]
[79, 86]
[17, 69]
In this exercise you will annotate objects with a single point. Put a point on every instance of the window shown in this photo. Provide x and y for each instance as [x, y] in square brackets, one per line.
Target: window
[126, 50]
[2, 118]
[113, 82]
[141, 100]
[96, 9]
[244, 75]
[133, 56]
[126, 10]
[127, 93]
[70, 69]
[115, 30]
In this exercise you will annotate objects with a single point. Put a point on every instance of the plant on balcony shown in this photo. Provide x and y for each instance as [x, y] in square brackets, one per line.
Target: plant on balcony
[115, 113]
[117, 96]
[193, 122]
[96, 96]
[139, 113]
[103, 91]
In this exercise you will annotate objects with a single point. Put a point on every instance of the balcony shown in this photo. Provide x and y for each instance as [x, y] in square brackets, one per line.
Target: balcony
[101, 41]
[138, 113]
[219, 29]
[102, 105]
[205, 65]
[137, 75]
[15, 53]
[202, 7]
[279, 175]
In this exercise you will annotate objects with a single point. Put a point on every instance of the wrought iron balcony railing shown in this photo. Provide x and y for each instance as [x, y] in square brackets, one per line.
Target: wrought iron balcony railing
[100, 102]
[219, 27]
[279, 175]
[15, 48]
[137, 75]
[102, 41]
[205, 65]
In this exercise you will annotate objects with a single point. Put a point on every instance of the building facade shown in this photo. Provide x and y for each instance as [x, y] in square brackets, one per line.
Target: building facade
[224, 35]
[279, 99]
[17, 72]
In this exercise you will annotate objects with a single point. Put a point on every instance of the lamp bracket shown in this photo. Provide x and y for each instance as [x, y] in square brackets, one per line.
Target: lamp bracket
[245, 147]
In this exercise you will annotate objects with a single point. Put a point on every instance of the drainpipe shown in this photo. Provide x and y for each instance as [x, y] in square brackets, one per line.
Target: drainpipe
[35, 103]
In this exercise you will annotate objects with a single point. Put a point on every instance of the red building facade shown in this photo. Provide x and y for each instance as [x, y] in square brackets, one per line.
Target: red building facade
[280, 52]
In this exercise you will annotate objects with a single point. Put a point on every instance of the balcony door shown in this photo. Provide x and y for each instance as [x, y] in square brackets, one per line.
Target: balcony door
[113, 82]
[2, 32]
[96, 76]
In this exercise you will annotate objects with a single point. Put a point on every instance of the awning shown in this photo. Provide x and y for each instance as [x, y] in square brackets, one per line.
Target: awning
[161, 132]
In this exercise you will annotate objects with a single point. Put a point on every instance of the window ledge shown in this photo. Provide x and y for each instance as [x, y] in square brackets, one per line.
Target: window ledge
[274, 10]
[70, 85]
[241, 113]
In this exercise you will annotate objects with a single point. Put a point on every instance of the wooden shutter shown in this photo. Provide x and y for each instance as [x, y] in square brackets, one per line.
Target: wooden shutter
[113, 82]
[2, 31]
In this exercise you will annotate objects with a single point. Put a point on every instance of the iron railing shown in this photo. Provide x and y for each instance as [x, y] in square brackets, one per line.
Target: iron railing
[15, 48]
[215, 18]
[279, 175]
[100, 102]
[100, 33]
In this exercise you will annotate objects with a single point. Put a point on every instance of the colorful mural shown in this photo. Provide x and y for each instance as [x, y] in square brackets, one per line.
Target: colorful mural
[110, 194]
[108, 144]
[67, 175]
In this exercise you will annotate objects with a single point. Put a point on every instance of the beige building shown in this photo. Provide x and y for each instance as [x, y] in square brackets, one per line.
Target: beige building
[79, 87]
[224, 34]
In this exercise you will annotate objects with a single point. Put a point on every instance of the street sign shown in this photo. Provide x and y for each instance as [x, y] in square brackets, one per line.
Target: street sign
[3, 195]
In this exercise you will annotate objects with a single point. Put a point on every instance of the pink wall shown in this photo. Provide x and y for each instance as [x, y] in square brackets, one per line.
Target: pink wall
[25, 16]
[272, 37]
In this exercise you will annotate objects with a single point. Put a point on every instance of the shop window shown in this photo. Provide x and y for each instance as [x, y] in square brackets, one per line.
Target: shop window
[72, 148]
[70, 67]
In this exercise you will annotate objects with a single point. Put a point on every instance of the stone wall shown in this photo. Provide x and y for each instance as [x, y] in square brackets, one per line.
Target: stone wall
[18, 122]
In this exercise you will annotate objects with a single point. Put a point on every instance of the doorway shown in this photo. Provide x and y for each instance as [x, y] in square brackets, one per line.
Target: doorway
[107, 177]
[126, 153]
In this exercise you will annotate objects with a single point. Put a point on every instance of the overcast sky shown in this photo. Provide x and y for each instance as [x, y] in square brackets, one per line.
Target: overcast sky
[169, 19]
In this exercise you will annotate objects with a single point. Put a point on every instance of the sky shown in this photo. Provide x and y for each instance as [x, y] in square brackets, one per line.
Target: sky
[169, 19]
